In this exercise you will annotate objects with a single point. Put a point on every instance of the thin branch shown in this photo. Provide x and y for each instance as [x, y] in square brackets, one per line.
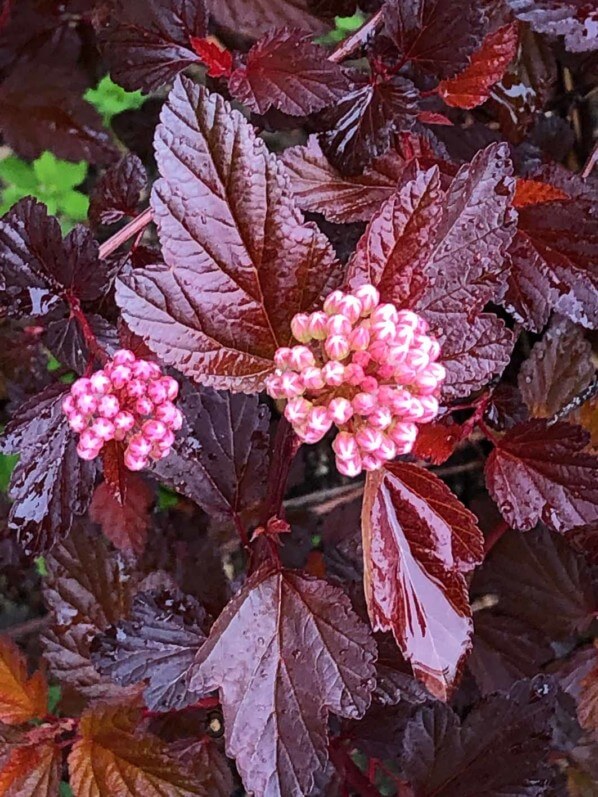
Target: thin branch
[585, 395]
[128, 231]
[591, 162]
[357, 40]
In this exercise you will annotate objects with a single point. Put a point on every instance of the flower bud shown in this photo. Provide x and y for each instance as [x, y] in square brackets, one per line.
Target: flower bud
[77, 421]
[135, 462]
[359, 339]
[100, 383]
[369, 384]
[123, 423]
[142, 369]
[416, 359]
[87, 404]
[402, 434]
[301, 358]
[388, 449]
[381, 418]
[123, 357]
[334, 373]
[318, 325]
[368, 439]
[297, 410]
[364, 403]
[337, 347]
[154, 430]
[157, 391]
[81, 387]
[349, 467]
[313, 379]
[68, 405]
[104, 429]
[371, 462]
[292, 384]
[136, 388]
[384, 331]
[339, 325]
[144, 406]
[408, 319]
[319, 421]
[300, 328]
[369, 297]
[354, 374]
[87, 453]
[332, 303]
[139, 446]
[171, 386]
[274, 386]
[340, 410]
[351, 308]
[385, 312]
[282, 358]
[345, 446]
[431, 407]
[120, 375]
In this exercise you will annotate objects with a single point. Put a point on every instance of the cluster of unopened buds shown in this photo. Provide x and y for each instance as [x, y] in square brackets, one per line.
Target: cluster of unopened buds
[128, 400]
[365, 367]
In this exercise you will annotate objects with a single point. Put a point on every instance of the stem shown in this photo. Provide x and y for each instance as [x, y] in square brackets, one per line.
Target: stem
[587, 393]
[88, 334]
[286, 446]
[591, 162]
[495, 534]
[357, 39]
[128, 231]
[350, 772]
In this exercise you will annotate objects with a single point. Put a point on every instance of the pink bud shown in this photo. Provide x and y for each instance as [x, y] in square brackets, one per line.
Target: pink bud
[108, 406]
[135, 462]
[362, 358]
[386, 371]
[354, 374]
[154, 430]
[397, 352]
[340, 410]
[87, 404]
[120, 375]
[416, 410]
[385, 395]
[434, 352]
[142, 369]
[333, 302]
[156, 391]
[100, 383]
[104, 429]
[313, 379]
[385, 312]
[400, 402]
[388, 449]
[369, 384]
[319, 420]
[403, 336]
[404, 375]
[383, 330]
[297, 410]
[172, 387]
[87, 453]
[378, 351]
[68, 405]
[369, 297]
[349, 467]
[136, 388]
[426, 383]
[158, 453]
[359, 339]
[345, 446]
[89, 440]
[337, 347]
[78, 422]
[351, 308]
[416, 359]
[339, 325]
[274, 386]
[430, 405]
[124, 357]
[166, 412]
[177, 421]
[292, 384]
[381, 418]
[438, 370]
[123, 423]
[139, 446]
[81, 387]
[318, 325]
[368, 438]
[403, 433]
[300, 328]
[408, 318]
[371, 462]
[301, 357]
[144, 406]
[334, 373]
[165, 444]
[282, 357]
[364, 403]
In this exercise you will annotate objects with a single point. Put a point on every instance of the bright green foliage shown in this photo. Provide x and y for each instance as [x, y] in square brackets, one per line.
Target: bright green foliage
[7, 464]
[54, 695]
[49, 179]
[65, 790]
[109, 98]
[41, 566]
[166, 498]
[343, 26]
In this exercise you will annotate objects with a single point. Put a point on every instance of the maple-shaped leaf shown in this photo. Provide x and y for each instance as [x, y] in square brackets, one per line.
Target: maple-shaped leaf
[443, 757]
[438, 36]
[541, 472]
[437, 441]
[554, 255]
[125, 522]
[113, 756]
[419, 541]
[51, 484]
[234, 244]
[22, 698]
[558, 369]
[157, 643]
[505, 649]
[261, 16]
[118, 191]
[38, 268]
[362, 124]
[66, 340]
[30, 769]
[473, 353]
[534, 192]
[304, 653]
[218, 60]
[285, 70]
[540, 579]
[88, 589]
[42, 108]
[575, 20]
[148, 42]
[220, 457]
[471, 87]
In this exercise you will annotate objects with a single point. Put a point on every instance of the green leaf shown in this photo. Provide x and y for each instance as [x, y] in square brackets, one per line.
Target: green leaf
[75, 205]
[18, 173]
[57, 176]
[109, 98]
[65, 790]
[41, 567]
[7, 464]
[54, 695]
[166, 498]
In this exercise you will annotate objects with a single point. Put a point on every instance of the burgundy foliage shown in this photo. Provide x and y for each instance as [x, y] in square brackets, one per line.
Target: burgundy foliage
[239, 617]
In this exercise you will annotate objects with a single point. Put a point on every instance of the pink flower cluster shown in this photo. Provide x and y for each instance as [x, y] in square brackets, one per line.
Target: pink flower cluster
[129, 400]
[365, 367]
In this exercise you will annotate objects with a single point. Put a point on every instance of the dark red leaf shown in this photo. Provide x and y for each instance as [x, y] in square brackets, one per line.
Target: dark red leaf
[29, 769]
[558, 369]
[125, 523]
[473, 353]
[506, 649]
[471, 87]
[419, 541]
[50, 485]
[148, 42]
[285, 70]
[42, 108]
[585, 539]
[87, 590]
[364, 121]
[157, 643]
[65, 339]
[304, 653]
[440, 756]
[38, 267]
[261, 16]
[332, 8]
[437, 441]
[439, 36]
[118, 191]
[554, 255]
[220, 457]
[534, 192]
[219, 61]
[539, 578]
[234, 244]
[576, 20]
[541, 472]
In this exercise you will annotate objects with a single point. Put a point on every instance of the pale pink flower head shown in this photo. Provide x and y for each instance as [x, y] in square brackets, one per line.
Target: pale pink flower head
[131, 401]
[365, 367]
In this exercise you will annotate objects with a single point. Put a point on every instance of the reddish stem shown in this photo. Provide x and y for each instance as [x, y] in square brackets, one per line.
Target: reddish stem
[495, 534]
[591, 162]
[91, 341]
[357, 39]
[350, 772]
[128, 231]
